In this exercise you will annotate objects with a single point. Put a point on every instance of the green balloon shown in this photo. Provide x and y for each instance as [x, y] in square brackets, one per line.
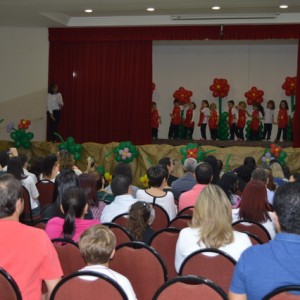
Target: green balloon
[78, 148]
[13, 135]
[76, 155]
[70, 140]
[29, 135]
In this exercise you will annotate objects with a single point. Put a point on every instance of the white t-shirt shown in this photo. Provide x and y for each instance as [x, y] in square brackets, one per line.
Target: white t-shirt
[54, 102]
[206, 112]
[187, 243]
[269, 116]
[117, 277]
[29, 184]
[166, 202]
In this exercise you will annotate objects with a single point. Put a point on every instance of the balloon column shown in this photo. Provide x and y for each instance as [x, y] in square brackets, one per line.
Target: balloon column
[71, 146]
[290, 89]
[125, 152]
[220, 88]
[274, 152]
[193, 151]
[20, 136]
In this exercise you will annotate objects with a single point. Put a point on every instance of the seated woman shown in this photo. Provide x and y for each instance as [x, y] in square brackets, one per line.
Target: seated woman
[141, 216]
[229, 184]
[50, 167]
[277, 172]
[155, 194]
[254, 206]
[74, 207]
[66, 161]
[210, 228]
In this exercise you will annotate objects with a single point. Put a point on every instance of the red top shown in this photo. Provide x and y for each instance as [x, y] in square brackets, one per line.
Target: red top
[154, 118]
[188, 118]
[255, 120]
[176, 118]
[283, 118]
[213, 120]
[241, 122]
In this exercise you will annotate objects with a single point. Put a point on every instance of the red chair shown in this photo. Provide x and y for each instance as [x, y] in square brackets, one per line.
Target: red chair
[212, 264]
[191, 288]
[164, 242]
[27, 217]
[121, 233]
[142, 265]
[283, 293]
[121, 219]
[74, 286]
[45, 188]
[186, 211]
[161, 218]
[9, 289]
[181, 221]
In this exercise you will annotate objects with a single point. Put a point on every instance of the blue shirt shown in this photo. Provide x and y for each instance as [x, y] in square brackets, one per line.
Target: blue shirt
[263, 268]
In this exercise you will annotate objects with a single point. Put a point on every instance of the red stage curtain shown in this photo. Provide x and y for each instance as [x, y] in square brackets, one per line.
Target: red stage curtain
[107, 90]
[296, 123]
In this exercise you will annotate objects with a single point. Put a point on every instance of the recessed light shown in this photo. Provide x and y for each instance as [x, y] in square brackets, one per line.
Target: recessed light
[150, 9]
[88, 11]
[216, 7]
[283, 6]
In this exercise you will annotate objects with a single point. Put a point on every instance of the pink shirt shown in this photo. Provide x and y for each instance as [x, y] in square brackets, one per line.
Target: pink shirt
[189, 198]
[54, 227]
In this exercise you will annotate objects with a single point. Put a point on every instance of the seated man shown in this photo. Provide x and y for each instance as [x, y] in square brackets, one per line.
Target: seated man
[204, 174]
[265, 267]
[26, 253]
[121, 188]
[97, 246]
[188, 180]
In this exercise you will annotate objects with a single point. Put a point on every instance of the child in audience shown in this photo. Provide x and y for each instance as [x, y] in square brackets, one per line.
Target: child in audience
[241, 121]
[155, 120]
[175, 120]
[97, 246]
[213, 121]
[268, 120]
[231, 119]
[282, 121]
[204, 115]
[189, 121]
[254, 126]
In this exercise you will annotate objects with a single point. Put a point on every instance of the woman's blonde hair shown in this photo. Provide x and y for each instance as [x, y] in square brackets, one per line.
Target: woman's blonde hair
[276, 169]
[212, 215]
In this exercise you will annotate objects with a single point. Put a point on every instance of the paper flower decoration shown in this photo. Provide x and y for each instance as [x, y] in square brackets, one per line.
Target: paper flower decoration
[254, 96]
[220, 87]
[71, 146]
[125, 152]
[183, 95]
[20, 136]
[290, 86]
[274, 152]
[193, 151]
[144, 180]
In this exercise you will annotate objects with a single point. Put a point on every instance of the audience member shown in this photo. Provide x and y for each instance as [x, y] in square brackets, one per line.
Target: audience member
[24, 160]
[102, 194]
[36, 166]
[74, 206]
[215, 167]
[97, 246]
[277, 172]
[229, 184]
[66, 161]
[170, 164]
[188, 180]
[265, 267]
[26, 252]
[204, 174]
[294, 177]
[141, 216]
[121, 188]
[210, 227]
[155, 194]
[50, 167]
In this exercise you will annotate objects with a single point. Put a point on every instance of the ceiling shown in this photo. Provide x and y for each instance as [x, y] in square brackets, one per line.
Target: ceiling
[70, 13]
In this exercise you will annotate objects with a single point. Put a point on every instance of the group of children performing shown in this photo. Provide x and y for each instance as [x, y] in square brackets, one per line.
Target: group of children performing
[237, 117]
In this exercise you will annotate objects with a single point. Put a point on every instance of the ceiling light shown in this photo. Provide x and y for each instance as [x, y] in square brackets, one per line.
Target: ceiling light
[88, 11]
[150, 9]
[216, 7]
[283, 6]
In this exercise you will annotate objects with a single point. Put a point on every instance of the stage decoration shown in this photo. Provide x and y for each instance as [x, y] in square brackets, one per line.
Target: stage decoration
[70, 145]
[254, 96]
[226, 168]
[183, 95]
[108, 177]
[20, 136]
[274, 152]
[220, 88]
[193, 151]
[144, 180]
[1, 120]
[290, 86]
[125, 152]
[100, 170]
[248, 129]
[223, 131]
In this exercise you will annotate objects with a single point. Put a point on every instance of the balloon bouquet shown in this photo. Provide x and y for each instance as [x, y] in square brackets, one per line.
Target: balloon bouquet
[274, 152]
[20, 136]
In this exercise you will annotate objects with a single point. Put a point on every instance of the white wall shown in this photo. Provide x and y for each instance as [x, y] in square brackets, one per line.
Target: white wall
[194, 65]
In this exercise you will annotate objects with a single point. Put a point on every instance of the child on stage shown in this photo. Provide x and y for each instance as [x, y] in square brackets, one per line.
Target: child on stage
[254, 126]
[231, 119]
[175, 120]
[155, 120]
[204, 115]
[189, 121]
[241, 121]
[268, 120]
[213, 121]
[282, 121]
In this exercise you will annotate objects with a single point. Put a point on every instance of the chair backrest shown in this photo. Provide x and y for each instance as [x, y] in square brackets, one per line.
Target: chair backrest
[181, 221]
[45, 188]
[186, 211]
[26, 216]
[75, 286]
[284, 293]
[252, 227]
[121, 233]
[69, 255]
[255, 240]
[9, 289]
[164, 242]
[212, 264]
[121, 219]
[142, 265]
[189, 287]
[41, 223]
[161, 218]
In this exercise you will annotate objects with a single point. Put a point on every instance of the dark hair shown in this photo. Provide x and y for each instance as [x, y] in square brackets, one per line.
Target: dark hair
[254, 202]
[51, 87]
[156, 174]
[250, 161]
[231, 102]
[286, 104]
[88, 184]
[10, 191]
[215, 167]
[98, 178]
[244, 175]
[120, 185]
[15, 167]
[259, 174]
[23, 158]
[271, 102]
[48, 163]
[203, 173]
[73, 204]
[123, 169]
[175, 101]
[165, 161]
[4, 158]
[138, 221]
[194, 104]
[287, 207]
[206, 102]
[228, 183]
[220, 164]
[36, 166]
